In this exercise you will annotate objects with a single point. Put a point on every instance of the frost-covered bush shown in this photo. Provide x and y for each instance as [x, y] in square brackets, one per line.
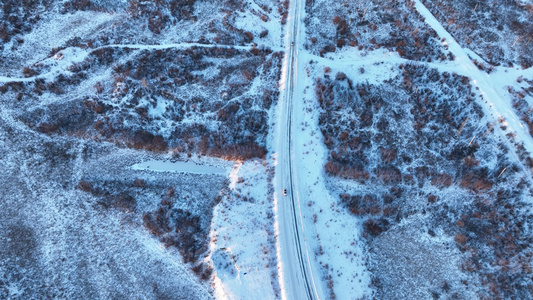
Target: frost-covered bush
[523, 104]
[421, 151]
[370, 25]
[209, 101]
[498, 31]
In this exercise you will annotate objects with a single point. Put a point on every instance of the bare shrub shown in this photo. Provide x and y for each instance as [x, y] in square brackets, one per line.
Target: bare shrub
[442, 180]
[375, 227]
[389, 174]
[388, 155]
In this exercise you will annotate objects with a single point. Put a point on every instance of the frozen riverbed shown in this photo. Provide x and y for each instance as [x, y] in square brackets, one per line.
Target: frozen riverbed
[178, 167]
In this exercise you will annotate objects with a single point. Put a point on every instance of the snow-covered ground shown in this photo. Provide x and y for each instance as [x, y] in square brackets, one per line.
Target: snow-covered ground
[243, 248]
[65, 196]
[61, 61]
[492, 87]
[178, 166]
[332, 236]
[54, 31]
[61, 223]
[57, 242]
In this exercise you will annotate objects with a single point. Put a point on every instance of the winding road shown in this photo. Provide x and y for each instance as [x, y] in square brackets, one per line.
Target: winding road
[297, 278]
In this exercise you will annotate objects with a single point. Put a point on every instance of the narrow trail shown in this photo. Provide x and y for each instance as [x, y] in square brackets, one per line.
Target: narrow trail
[86, 52]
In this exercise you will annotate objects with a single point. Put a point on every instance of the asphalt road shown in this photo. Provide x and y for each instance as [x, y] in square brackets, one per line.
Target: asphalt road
[298, 281]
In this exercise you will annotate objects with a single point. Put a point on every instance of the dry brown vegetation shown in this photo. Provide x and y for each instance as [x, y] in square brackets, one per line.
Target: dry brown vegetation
[520, 100]
[163, 75]
[411, 134]
[499, 31]
[370, 25]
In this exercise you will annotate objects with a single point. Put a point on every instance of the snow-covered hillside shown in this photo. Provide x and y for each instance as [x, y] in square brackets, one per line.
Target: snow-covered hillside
[98, 99]
[432, 155]
[175, 149]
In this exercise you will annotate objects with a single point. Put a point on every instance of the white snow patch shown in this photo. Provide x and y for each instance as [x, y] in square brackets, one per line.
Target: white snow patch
[242, 245]
[56, 29]
[159, 109]
[333, 236]
[178, 167]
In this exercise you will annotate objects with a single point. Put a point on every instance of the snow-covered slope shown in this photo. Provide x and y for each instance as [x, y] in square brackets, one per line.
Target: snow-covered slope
[139, 149]
[427, 154]
[101, 105]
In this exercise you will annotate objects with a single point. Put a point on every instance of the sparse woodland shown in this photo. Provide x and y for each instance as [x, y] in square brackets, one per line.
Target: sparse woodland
[196, 101]
[413, 158]
[521, 105]
[370, 25]
[418, 149]
[161, 76]
[500, 32]
[425, 146]
[180, 219]
[227, 120]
